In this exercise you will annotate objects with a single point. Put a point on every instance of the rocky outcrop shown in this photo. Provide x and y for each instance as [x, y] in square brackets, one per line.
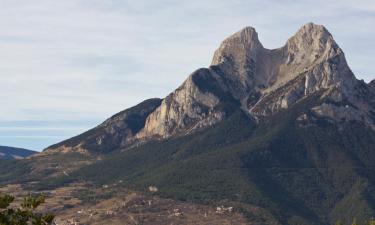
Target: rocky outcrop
[195, 104]
[238, 61]
[264, 81]
[310, 61]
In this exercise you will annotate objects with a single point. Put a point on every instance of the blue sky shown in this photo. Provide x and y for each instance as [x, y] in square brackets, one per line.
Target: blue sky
[67, 65]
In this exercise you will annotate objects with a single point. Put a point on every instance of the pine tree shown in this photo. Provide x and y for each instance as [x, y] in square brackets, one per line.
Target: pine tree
[25, 214]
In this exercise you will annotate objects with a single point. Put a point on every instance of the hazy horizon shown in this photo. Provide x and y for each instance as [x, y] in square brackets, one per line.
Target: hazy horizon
[68, 65]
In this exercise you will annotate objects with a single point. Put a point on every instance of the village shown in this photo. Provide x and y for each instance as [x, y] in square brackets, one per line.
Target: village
[72, 206]
[132, 207]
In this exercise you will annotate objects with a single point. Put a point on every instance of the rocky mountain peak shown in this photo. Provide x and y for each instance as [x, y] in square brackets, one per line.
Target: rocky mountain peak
[311, 33]
[238, 46]
[262, 81]
[236, 60]
[247, 35]
[312, 44]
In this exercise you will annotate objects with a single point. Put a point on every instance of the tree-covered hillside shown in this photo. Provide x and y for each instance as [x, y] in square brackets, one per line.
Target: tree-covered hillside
[297, 173]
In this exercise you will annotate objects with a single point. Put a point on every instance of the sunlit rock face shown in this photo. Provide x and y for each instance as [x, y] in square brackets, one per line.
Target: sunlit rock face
[186, 109]
[265, 81]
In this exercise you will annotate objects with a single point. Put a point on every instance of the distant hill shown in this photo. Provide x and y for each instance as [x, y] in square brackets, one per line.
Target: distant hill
[14, 153]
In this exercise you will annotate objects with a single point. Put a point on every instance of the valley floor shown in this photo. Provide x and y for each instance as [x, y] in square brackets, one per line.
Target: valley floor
[81, 203]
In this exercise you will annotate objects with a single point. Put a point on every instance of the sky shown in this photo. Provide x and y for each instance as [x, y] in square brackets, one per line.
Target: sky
[66, 66]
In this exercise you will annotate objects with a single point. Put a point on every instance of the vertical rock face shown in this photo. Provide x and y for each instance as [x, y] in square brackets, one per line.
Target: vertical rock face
[237, 60]
[312, 50]
[372, 85]
[309, 62]
[193, 105]
[324, 59]
[253, 72]
[261, 80]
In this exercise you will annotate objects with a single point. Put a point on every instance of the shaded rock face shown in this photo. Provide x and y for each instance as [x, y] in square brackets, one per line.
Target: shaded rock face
[237, 60]
[371, 86]
[245, 75]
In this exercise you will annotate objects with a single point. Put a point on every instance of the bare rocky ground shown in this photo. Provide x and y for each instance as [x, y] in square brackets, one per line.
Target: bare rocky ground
[83, 204]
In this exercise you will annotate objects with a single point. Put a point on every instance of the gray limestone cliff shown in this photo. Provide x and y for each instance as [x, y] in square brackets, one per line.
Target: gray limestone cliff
[265, 81]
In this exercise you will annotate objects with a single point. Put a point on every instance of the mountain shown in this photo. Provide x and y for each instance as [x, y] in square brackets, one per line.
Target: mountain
[14, 153]
[285, 135]
[246, 76]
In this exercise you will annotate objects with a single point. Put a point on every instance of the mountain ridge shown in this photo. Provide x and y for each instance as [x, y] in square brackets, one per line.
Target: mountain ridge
[115, 132]
[7, 152]
[260, 82]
